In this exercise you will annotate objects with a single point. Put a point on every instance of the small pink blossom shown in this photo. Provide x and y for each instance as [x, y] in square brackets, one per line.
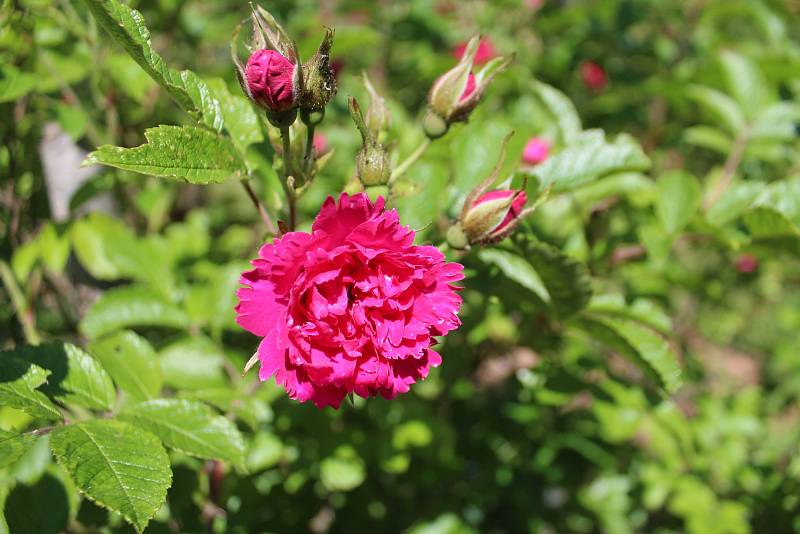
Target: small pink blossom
[593, 75]
[352, 307]
[486, 51]
[536, 150]
[534, 4]
[270, 80]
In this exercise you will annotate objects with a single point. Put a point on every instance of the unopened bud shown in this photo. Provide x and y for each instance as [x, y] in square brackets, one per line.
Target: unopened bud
[270, 80]
[319, 82]
[492, 214]
[536, 151]
[372, 163]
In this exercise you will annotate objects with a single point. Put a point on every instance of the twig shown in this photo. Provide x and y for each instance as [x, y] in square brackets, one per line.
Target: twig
[262, 211]
[729, 170]
[409, 161]
[309, 148]
[291, 197]
[24, 314]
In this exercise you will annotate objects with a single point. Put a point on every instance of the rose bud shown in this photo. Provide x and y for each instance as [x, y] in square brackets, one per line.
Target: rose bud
[593, 75]
[489, 216]
[536, 150]
[458, 91]
[319, 81]
[378, 117]
[270, 80]
[372, 162]
[746, 264]
[485, 52]
[271, 77]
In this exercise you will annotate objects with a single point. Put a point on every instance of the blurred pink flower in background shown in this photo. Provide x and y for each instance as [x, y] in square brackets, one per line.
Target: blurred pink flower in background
[320, 143]
[593, 76]
[536, 150]
[352, 307]
[746, 263]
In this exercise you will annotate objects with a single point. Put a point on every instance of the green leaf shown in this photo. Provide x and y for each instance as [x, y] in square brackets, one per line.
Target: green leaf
[117, 465]
[131, 362]
[678, 200]
[745, 82]
[567, 280]
[561, 111]
[74, 376]
[344, 471]
[193, 363]
[588, 158]
[128, 307]
[722, 107]
[640, 344]
[734, 202]
[127, 27]
[777, 123]
[190, 427]
[13, 446]
[709, 138]
[45, 505]
[241, 121]
[194, 155]
[18, 382]
[517, 269]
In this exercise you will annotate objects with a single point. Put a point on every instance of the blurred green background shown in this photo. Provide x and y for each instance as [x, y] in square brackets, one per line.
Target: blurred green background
[534, 422]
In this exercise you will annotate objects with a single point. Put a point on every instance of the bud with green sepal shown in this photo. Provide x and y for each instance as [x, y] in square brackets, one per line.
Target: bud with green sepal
[372, 162]
[458, 91]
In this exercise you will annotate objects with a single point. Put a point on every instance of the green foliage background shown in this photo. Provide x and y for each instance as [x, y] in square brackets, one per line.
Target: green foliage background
[620, 368]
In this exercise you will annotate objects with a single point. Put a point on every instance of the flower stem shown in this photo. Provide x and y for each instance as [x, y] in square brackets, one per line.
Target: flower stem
[288, 181]
[309, 148]
[409, 161]
[21, 307]
[262, 211]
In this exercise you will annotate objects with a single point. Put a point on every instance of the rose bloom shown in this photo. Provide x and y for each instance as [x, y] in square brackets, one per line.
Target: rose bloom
[352, 307]
[486, 51]
[536, 150]
[594, 76]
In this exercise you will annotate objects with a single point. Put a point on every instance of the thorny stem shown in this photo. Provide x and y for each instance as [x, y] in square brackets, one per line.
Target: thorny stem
[729, 170]
[291, 197]
[24, 314]
[409, 161]
[309, 147]
[262, 211]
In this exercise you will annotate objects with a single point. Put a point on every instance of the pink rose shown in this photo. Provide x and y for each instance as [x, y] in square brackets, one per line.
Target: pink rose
[352, 307]
[271, 80]
[593, 75]
[536, 150]
[486, 51]
[746, 263]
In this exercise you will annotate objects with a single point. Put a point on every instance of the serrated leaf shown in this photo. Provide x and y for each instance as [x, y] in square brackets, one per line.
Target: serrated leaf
[128, 307]
[640, 344]
[117, 465]
[18, 382]
[75, 377]
[189, 426]
[567, 280]
[194, 155]
[193, 363]
[13, 446]
[127, 27]
[561, 110]
[131, 362]
[734, 202]
[678, 200]
[745, 82]
[517, 269]
[722, 107]
[588, 158]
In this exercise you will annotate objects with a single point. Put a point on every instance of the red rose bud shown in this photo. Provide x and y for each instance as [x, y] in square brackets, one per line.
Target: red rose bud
[270, 80]
[593, 75]
[746, 264]
[536, 151]
[489, 216]
[485, 52]
[458, 91]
